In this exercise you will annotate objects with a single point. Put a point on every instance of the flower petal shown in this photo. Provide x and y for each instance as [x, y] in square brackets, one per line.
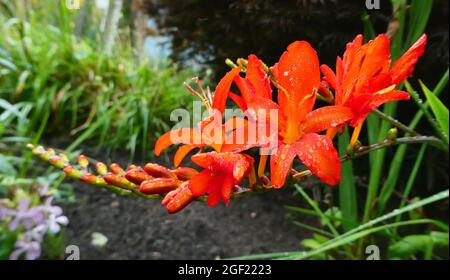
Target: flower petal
[222, 89]
[176, 136]
[329, 76]
[404, 66]
[298, 75]
[246, 88]
[182, 152]
[280, 164]
[320, 157]
[201, 182]
[238, 100]
[227, 188]
[326, 117]
[258, 78]
[395, 95]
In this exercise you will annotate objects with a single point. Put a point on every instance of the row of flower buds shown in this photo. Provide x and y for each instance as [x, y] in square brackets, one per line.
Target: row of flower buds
[150, 181]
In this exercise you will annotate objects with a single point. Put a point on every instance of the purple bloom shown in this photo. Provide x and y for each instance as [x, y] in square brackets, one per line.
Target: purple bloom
[31, 249]
[26, 216]
[37, 221]
[54, 223]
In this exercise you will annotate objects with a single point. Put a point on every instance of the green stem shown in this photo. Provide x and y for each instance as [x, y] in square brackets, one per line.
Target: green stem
[396, 123]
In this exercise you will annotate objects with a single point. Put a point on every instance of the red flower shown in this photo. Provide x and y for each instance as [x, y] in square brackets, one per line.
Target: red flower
[364, 78]
[298, 78]
[222, 172]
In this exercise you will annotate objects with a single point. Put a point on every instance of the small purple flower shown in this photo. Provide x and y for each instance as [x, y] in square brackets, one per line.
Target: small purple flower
[31, 249]
[26, 216]
[54, 222]
[5, 213]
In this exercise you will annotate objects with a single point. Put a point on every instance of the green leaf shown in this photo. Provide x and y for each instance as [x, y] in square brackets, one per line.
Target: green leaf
[347, 190]
[413, 244]
[361, 231]
[440, 111]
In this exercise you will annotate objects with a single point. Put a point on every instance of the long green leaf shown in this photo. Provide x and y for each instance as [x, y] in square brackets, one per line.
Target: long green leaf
[397, 161]
[438, 108]
[350, 235]
[347, 189]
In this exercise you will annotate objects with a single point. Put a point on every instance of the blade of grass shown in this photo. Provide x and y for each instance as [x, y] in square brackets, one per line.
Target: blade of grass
[396, 164]
[440, 111]
[347, 192]
[331, 244]
[412, 177]
[316, 208]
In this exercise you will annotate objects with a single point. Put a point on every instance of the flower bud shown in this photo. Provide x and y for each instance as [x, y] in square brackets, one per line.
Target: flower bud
[118, 181]
[177, 199]
[101, 168]
[58, 162]
[131, 167]
[91, 179]
[72, 172]
[184, 173]
[158, 171]
[159, 185]
[116, 169]
[392, 134]
[83, 161]
[137, 176]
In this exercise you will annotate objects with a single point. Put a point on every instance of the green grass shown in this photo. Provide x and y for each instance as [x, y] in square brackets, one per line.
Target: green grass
[88, 95]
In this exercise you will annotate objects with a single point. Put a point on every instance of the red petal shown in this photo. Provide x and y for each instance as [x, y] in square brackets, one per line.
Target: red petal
[203, 160]
[238, 100]
[404, 66]
[280, 164]
[242, 165]
[215, 193]
[201, 182]
[329, 76]
[176, 136]
[318, 155]
[239, 140]
[227, 188]
[298, 74]
[326, 117]
[181, 153]
[246, 88]
[222, 89]
[395, 95]
[258, 78]
[376, 60]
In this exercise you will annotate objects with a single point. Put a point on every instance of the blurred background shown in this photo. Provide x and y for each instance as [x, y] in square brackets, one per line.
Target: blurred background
[101, 77]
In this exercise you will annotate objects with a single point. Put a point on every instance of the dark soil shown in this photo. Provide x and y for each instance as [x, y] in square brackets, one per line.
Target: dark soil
[141, 229]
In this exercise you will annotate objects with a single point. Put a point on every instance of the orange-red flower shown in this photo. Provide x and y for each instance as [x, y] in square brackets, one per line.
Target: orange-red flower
[364, 78]
[222, 172]
[298, 78]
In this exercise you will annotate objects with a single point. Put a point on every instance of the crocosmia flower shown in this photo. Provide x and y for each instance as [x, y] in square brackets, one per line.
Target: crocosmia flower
[364, 78]
[222, 171]
[297, 76]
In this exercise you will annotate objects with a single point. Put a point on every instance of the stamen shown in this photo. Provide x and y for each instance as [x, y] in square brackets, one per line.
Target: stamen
[356, 133]
[262, 165]
[386, 90]
[197, 94]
